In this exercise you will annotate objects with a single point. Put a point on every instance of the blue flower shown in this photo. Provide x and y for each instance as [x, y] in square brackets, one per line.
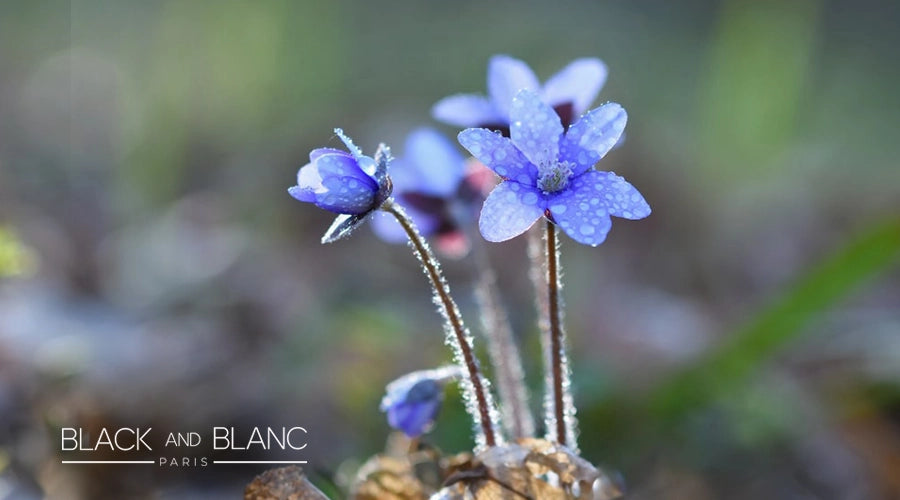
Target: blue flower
[350, 184]
[545, 171]
[438, 189]
[569, 92]
[412, 401]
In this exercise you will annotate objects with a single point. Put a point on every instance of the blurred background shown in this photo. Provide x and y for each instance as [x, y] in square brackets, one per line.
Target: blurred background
[743, 342]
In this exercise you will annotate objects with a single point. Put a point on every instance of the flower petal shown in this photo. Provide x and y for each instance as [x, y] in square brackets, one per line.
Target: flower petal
[413, 418]
[620, 197]
[312, 175]
[499, 154]
[345, 195]
[304, 195]
[316, 153]
[335, 182]
[466, 110]
[578, 83]
[509, 211]
[593, 135]
[535, 128]
[440, 167]
[506, 77]
[580, 210]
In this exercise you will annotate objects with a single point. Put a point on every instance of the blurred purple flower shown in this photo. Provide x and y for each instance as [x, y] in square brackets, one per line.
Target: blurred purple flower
[546, 171]
[412, 401]
[569, 92]
[350, 184]
[439, 189]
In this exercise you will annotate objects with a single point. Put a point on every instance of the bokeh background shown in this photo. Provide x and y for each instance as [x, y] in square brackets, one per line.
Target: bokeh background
[741, 343]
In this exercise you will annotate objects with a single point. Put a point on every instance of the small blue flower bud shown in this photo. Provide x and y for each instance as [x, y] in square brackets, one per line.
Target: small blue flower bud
[412, 401]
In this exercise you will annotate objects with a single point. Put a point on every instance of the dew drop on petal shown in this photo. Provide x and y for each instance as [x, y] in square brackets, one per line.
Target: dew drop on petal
[586, 229]
[560, 209]
[530, 198]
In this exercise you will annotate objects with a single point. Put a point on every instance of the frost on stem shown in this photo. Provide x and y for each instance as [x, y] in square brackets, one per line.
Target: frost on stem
[475, 387]
[558, 400]
[505, 358]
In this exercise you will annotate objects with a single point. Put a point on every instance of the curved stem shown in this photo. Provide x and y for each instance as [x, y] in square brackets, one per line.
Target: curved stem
[451, 313]
[556, 341]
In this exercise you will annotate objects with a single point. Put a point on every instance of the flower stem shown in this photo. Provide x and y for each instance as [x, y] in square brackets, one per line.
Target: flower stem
[503, 351]
[483, 411]
[559, 407]
[556, 341]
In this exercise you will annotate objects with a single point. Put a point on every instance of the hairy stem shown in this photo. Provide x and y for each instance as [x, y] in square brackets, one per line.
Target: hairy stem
[559, 408]
[556, 340]
[503, 351]
[483, 414]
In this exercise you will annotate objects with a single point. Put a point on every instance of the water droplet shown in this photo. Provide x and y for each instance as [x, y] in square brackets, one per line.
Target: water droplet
[586, 229]
[530, 198]
[559, 209]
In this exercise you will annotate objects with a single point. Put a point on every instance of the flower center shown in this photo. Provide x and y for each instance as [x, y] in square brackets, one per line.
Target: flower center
[555, 177]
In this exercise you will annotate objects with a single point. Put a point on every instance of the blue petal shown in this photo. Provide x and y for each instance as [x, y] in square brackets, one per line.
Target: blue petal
[620, 197]
[578, 83]
[581, 210]
[335, 182]
[499, 154]
[312, 175]
[593, 135]
[345, 195]
[414, 418]
[304, 195]
[466, 110]
[439, 165]
[316, 153]
[509, 211]
[535, 128]
[506, 77]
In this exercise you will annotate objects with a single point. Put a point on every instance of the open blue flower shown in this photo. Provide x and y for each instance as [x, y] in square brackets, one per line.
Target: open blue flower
[350, 184]
[546, 171]
[439, 190]
[569, 92]
[412, 401]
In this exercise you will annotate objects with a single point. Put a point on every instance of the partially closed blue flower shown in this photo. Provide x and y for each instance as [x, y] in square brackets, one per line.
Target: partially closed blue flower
[569, 92]
[350, 184]
[546, 171]
[412, 401]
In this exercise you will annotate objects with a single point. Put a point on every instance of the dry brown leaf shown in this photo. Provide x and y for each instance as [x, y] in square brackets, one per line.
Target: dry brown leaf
[529, 469]
[285, 483]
